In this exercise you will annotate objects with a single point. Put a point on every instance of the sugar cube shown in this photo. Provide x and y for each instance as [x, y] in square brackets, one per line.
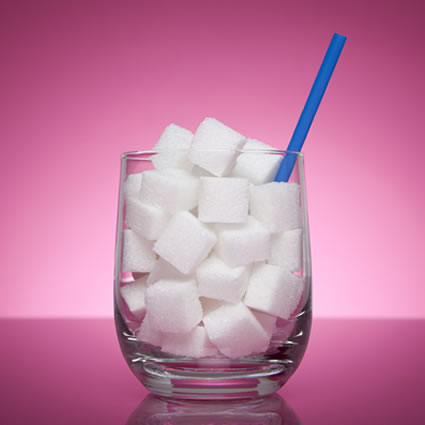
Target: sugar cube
[134, 296]
[241, 244]
[132, 185]
[173, 305]
[277, 205]
[219, 281]
[214, 147]
[137, 255]
[210, 304]
[197, 171]
[286, 250]
[185, 242]
[223, 200]
[171, 189]
[257, 167]
[147, 333]
[195, 343]
[173, 145]
[267, 321]
[164, 270]
[273, 290]
[146, 220]
[235, 331]
[303, 299]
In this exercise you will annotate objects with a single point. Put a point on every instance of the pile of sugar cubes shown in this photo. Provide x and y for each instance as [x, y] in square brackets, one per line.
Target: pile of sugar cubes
[214, 243]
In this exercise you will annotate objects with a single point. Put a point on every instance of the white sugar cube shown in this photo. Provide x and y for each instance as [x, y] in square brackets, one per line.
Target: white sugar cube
[164, 270]
[286, 250]
[277, 205]
[174, 143]
[235, 331]
[267, 321]
[173, 305]
[171, 189]
[185, 242]
[241, 244]
[210, 304]
[147, 333]
[223, 200]
[197, 171]
[192, 344]
[303, 300]
[257, 167]
[174, 137]
[273, 290]
[214, 147]
[134, 296]
[219, 281]
[137, 255]
[132, 185]
[146, 220]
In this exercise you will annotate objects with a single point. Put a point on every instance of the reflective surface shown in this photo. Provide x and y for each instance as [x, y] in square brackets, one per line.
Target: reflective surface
[272, 410]
[72, 372]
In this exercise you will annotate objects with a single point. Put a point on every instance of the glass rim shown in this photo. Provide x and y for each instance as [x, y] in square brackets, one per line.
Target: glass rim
[134, 154]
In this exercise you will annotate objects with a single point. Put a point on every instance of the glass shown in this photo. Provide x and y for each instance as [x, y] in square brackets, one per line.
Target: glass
[214, 376]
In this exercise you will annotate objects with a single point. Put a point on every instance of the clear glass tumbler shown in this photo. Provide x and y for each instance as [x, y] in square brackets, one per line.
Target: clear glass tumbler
[226, 356]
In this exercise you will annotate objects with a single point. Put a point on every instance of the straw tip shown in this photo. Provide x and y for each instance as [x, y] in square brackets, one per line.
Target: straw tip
[340, 36]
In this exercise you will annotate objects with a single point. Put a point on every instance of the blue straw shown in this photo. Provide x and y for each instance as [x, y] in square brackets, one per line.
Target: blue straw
[311, 106]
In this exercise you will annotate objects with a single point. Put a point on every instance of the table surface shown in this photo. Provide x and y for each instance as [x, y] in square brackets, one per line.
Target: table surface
[66, 371]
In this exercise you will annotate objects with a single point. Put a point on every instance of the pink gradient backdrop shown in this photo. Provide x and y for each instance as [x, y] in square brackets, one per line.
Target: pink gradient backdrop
[82, 81]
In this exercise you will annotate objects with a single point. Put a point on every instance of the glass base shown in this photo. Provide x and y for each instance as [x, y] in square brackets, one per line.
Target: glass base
[213, 379]
[246, 381]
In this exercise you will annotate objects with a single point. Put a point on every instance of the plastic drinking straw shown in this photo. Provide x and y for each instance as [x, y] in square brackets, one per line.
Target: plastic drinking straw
[311, 106]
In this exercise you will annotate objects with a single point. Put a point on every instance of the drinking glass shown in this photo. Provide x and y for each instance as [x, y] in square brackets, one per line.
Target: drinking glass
[216, 376]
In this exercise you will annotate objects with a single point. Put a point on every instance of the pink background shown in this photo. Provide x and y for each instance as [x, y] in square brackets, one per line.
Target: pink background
[82, 81]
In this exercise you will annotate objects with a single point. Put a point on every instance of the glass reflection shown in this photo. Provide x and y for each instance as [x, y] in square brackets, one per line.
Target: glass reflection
[271, 410]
